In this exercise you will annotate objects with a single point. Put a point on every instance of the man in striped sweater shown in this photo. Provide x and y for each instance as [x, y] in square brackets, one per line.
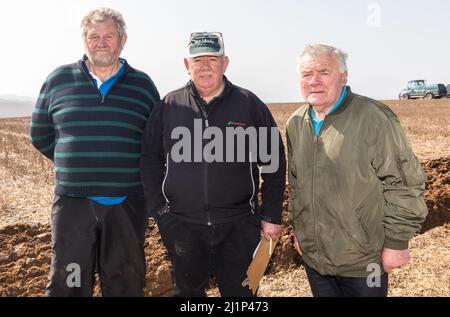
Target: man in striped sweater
[88, 120]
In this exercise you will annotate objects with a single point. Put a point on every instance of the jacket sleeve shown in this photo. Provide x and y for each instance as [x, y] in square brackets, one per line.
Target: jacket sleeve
[273, 173]
[153, 161]
[42, 133]
[292, 177]
[403, 182]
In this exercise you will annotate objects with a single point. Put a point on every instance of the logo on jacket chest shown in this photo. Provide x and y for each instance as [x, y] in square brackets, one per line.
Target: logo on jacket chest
[235, 143]
[236, 124]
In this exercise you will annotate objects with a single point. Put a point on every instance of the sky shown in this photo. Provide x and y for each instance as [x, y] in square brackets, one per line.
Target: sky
[388, 42]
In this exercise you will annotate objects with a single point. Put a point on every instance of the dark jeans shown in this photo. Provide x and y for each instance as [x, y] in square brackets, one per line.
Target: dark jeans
[89, 237]
[197, 251]
[335, 286]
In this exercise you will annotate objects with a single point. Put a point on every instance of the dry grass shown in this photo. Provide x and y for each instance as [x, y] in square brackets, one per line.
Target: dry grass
[428, 273]
[27, 179]
[26, 192]
[426, 123]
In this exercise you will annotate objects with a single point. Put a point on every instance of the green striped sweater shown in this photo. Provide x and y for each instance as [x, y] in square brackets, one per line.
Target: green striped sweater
[94, 141]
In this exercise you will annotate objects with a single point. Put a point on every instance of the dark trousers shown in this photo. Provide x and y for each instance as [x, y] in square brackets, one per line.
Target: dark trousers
[89, 237]
[335, 286]
[196, 251]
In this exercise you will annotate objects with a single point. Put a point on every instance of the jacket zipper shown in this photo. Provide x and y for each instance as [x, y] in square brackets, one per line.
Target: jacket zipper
[110, 88]
[91, 79]
[319, 249]
[115, 84]
[205, 172]
[315, 150]
[205, 164]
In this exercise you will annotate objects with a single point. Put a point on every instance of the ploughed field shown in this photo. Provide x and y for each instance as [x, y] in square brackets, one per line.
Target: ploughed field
[26, 192]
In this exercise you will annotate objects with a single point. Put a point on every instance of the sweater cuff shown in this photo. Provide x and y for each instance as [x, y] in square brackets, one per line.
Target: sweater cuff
[395, 244]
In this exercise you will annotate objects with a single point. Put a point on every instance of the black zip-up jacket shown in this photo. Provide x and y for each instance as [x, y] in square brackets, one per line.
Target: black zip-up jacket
[178, 177]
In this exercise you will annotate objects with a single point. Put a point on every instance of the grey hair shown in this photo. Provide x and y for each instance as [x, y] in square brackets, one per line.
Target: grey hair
[317, 50]
[102, 15]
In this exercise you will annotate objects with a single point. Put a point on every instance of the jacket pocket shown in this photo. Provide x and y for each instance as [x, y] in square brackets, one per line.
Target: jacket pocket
[409, 168]
[296, 204]
[370, 226]
[164, 183]
[56, 198]
[162, 215]
[359, 235]
[164, 210]
[349, 233]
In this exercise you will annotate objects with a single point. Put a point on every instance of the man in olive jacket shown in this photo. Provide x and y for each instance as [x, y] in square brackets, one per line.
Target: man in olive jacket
[356, 185]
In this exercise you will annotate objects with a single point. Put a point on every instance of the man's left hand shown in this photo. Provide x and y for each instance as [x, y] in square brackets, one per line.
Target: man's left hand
[270, 230]
[394, 259]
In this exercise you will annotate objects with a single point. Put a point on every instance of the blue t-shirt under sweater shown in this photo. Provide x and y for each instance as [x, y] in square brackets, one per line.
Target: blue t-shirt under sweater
[104, 88]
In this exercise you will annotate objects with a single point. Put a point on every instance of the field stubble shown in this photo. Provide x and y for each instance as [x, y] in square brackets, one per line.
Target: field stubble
[26, 193]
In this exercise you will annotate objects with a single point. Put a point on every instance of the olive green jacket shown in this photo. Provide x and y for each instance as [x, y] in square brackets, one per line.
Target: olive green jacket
[355, 188]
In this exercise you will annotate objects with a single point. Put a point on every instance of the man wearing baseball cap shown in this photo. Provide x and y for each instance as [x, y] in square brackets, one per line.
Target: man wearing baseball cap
[202, 192]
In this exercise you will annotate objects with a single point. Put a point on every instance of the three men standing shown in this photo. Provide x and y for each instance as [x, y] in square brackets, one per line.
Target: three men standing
[356, 186]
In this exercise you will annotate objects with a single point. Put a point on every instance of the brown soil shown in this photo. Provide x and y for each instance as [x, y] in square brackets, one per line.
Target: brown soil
[26, 251]
[437, 195]
[25, 237]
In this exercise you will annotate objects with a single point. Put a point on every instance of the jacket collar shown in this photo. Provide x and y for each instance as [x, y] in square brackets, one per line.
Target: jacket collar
[344, 104]
[347, 100]
[194, 92]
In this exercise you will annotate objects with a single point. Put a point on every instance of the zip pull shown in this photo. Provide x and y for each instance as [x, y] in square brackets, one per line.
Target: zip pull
[103, 99]
[206, 123]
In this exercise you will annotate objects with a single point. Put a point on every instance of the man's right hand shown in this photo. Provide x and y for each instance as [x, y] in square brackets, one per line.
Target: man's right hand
[297, 246]
[393, 259]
